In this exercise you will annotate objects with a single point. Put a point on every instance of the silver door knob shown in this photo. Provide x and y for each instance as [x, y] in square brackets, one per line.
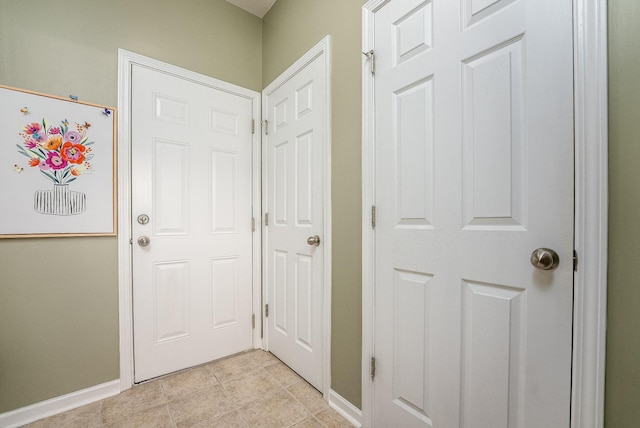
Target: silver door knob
[313, 240]
[143, 219]
[143, 241]
[545, 259]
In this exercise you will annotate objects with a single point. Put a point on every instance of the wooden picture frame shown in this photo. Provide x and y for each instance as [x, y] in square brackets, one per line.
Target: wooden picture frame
[57, 166]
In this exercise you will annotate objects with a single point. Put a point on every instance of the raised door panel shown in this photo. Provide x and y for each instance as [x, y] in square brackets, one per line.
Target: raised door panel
[224, 122]
[171, 300]
[413, 33]
[303, 301]
[414, 154]
[225, 285]
[224, 191]
[280, 183]
[171, 110]
[303, 183]
[493, 324]
[170, 184]
[281, 291]
[412, 345]
[494, 159]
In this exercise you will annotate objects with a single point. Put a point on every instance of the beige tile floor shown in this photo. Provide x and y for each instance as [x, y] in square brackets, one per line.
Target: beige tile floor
[251, 389]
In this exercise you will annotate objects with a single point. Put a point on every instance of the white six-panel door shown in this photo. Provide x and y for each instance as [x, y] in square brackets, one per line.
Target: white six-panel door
[473, 171]
[191, 176]
[294, 152]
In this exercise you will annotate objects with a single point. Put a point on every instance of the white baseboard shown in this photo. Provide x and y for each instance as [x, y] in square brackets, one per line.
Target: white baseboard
[43, 409]
[346, 409]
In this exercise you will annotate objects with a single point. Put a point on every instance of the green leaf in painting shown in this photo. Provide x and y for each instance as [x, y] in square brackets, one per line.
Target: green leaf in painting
[51, 177]
[21, 150]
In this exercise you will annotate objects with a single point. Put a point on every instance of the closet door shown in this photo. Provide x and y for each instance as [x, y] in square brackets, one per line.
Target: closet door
[295, 148]
[473, 174]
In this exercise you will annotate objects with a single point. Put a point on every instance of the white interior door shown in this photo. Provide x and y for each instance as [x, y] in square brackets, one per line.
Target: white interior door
[473, 172]
[294, 152]
[191, 178]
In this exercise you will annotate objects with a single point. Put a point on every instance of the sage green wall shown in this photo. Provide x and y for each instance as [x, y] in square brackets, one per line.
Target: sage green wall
[59, 329]
[59, 297]
[622, 401]
[290, 29]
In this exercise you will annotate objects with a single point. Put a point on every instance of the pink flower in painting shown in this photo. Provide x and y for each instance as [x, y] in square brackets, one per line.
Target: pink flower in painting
[32, 128]
[73, 137]
[55, 161]
[30, 144]
[60, 154]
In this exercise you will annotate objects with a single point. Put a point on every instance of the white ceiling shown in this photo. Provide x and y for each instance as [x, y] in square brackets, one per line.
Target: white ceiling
[257, 7]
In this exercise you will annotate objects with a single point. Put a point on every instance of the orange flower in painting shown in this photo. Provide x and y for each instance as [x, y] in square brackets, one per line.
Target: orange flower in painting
[73, 153]
[34, 162]
[53, 142]
[77, 171]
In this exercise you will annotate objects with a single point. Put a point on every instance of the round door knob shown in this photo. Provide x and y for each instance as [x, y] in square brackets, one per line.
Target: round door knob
[143, 241]
[313, 240]
[143, 219]
[545, 259]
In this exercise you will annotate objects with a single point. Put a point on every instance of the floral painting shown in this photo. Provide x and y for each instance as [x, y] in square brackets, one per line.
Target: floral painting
[61, 163]
[61, 155]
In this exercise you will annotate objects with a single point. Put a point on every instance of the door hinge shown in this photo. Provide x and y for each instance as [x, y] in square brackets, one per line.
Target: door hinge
[265, 123]
[266, 219]
[266, 310]
[253, 224]
[371, 56]
[253, 321]
[253, 126]
[373, 216]
[575, 261]
[372, 368]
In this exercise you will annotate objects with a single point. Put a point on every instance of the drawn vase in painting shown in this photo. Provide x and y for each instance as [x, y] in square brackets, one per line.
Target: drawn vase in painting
[59, 201]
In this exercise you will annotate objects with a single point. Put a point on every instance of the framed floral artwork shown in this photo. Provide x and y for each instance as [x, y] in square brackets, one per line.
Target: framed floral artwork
[57, 166]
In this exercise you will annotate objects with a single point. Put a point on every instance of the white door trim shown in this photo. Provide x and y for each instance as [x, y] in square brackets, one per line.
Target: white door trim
[126, 60]
[591, 215]
[590, 283]
[322, 47]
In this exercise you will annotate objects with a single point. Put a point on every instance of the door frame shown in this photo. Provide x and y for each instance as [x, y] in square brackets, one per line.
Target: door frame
[591, 157]
[126, 60]
[323, 47]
